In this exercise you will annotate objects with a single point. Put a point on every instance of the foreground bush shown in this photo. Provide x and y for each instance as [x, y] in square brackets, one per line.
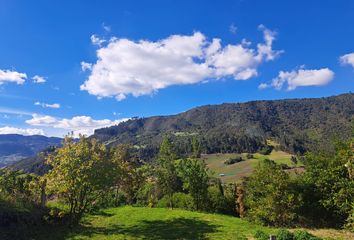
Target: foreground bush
[284, 234]
[303, 235]
[81, 173]
[179, 200]
[271, 196]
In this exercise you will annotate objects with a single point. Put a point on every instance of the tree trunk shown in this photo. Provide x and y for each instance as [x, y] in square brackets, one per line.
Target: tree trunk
[43, 195]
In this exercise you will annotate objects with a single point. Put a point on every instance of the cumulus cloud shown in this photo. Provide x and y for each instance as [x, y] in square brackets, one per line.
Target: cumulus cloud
[38, 79]
[347, 59]
[86, 66]
[95, 40]
[47, 105]
[125, 67]
[12, 76]
[263, 86]
[301, 78]
[78, 124]
[232, 28]
[21, 131]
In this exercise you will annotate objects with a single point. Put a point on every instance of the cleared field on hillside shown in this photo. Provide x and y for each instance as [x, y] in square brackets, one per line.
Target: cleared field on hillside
[234, 172]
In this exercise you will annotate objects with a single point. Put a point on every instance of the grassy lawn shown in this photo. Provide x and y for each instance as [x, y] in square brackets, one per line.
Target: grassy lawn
[160, 223]
[155, 223]
[235, 172]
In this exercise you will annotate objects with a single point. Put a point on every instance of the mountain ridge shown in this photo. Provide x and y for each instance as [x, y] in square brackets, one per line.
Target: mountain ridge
[15, 147]
[256, 120]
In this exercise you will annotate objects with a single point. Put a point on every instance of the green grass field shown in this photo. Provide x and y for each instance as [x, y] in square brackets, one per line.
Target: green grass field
[235, 172]
[161, 223]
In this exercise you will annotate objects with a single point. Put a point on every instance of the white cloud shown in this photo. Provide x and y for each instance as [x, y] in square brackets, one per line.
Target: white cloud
[302, 77]
[263, 86]
[127, 67]
[14, 111]
[38, 79]
[106, 27]
[95, 40]
[21, 131]
[232, 28]
[79, 124]
[347, 59]
[86, 66]
[12, 76]
[47, 105]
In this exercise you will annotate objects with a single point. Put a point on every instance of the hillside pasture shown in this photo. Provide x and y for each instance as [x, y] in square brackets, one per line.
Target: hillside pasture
[236, 171]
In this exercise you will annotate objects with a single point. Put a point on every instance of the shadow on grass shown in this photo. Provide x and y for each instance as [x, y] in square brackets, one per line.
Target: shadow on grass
[102, 213]
[179, 228]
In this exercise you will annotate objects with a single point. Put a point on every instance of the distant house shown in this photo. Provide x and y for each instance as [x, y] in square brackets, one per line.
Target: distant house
[222, 174]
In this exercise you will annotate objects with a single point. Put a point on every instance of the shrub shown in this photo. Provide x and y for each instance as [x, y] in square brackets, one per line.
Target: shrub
[284, 166]
[219, 202]
[266, 150]
[284, 234]
[271, 196]
[183, 200]
[260, 235]
[179, 200]
[249, 156]
[303, 235]
[233, 160]
[147, 195]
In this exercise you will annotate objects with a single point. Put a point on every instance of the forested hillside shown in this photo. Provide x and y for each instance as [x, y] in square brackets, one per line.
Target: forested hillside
[297, 125]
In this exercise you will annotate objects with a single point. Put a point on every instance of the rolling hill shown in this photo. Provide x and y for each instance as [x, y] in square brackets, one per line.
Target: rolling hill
[14, 147]
[297, 125]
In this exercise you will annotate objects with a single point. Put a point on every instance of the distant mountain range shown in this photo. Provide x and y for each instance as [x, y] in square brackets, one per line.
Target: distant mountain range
[14, 147]
[295, 125]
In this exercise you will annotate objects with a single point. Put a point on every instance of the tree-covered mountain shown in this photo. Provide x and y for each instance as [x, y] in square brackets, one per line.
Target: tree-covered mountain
[297, 125]
[14, 147]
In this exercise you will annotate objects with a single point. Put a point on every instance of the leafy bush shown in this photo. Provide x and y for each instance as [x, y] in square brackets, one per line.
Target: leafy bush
[284, 234]
[303, 235]
[272, 196]
[266, 150]
[249, 156]
[19, 190]
[182, 200]
[147, 195]
[260, 235]
[233, 160]
[220, 202]
[284, 166]
[350, 220]
[179, 200]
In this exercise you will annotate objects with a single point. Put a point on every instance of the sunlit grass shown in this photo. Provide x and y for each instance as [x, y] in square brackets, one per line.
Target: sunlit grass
[162, 223]
[234, 172]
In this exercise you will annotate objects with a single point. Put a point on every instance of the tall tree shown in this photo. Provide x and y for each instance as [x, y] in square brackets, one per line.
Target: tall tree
[168, 180]
[130, 176]
[194, 174]
[196, 148]
[330, 174]
[271, 198]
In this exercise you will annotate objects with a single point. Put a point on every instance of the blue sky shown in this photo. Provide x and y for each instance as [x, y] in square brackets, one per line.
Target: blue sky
[99, 62]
